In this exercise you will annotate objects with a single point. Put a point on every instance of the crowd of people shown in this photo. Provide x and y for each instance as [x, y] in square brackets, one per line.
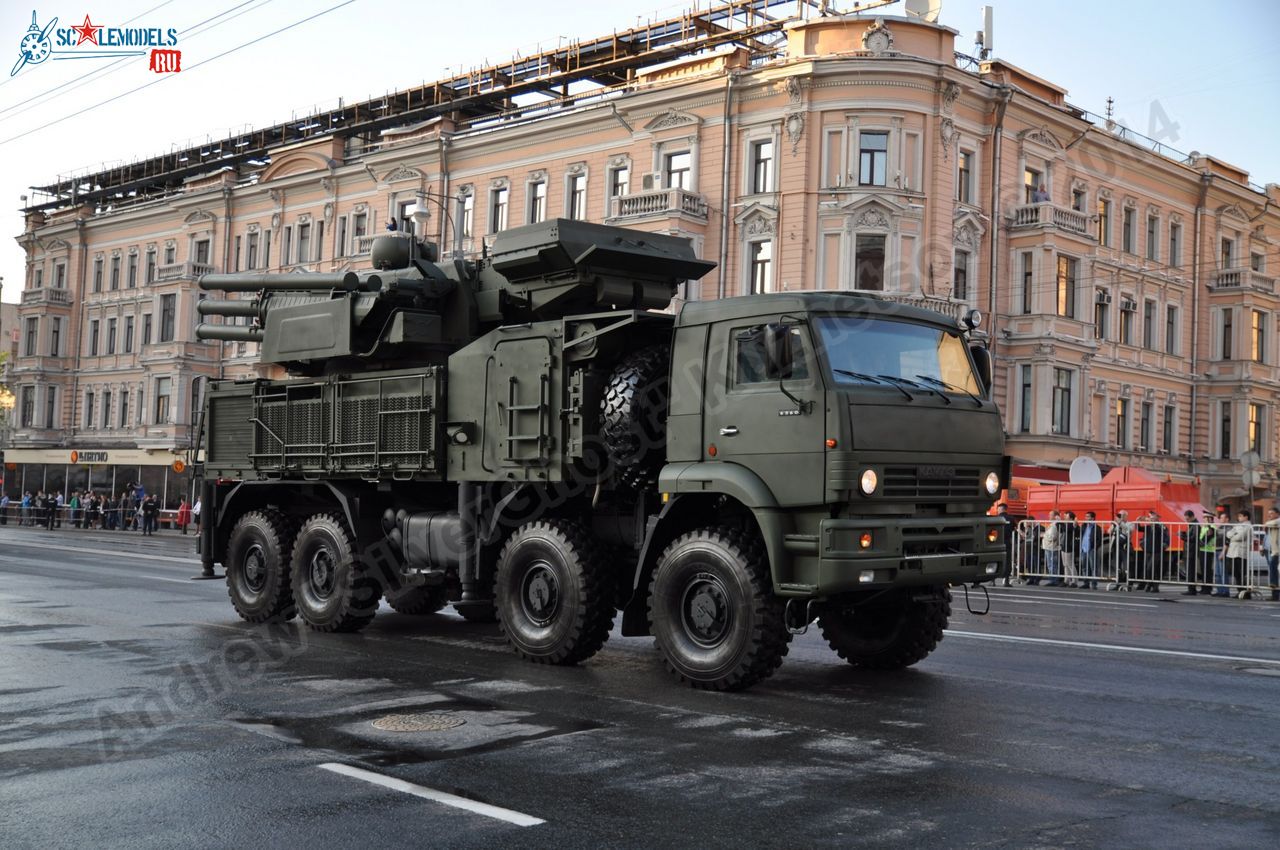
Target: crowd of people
[1209, 554]
[133, 510]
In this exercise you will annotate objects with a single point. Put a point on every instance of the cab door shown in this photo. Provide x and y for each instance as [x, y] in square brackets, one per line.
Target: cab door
[751, 421]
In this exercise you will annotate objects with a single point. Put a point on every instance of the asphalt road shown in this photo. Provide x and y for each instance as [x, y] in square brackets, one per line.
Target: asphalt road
[136, 710]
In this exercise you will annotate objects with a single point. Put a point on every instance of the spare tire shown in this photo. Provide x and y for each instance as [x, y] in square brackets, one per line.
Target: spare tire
[633, 416]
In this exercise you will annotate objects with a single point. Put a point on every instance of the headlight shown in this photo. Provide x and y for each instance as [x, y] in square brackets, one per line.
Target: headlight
[993, 483]
[869, 481]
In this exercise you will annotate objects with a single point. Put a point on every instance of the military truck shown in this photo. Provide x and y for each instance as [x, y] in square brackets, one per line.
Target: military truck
[528, 438]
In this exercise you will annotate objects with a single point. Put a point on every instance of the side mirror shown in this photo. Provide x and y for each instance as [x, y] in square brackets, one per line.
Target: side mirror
[982, 359]
[778, 351]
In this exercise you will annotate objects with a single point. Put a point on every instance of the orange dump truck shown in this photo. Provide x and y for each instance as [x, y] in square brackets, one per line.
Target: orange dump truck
[1125, 488]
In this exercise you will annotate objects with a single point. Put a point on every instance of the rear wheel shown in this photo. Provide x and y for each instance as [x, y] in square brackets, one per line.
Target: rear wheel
[894, 632]
[712, 611]
[418, 601]
[554, 593]
[333, 590]
[257, 565]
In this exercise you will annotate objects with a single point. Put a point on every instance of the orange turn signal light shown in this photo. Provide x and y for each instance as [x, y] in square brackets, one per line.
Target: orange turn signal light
[831, 444]
[865, 540]
[711, 450]
[993, 535]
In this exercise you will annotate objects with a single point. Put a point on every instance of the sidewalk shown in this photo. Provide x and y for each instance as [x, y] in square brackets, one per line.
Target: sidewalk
[169, 542]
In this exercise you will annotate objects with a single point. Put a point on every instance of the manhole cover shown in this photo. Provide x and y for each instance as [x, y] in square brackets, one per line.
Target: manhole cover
[417, 722]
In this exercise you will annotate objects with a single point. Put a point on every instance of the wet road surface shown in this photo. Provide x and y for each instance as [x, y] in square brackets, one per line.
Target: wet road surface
[137, 710]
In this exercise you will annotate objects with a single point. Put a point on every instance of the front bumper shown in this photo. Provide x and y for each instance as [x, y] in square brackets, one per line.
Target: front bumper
[908, 552]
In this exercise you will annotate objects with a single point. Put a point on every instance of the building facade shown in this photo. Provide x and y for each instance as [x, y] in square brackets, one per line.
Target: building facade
[1129, 292]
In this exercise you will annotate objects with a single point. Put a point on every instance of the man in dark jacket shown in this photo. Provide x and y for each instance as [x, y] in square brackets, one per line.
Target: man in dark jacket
[1190, 537]
[150, 515]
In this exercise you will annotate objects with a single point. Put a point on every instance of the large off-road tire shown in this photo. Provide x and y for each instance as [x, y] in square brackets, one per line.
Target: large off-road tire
[418, 601]
[554, 592]
[257, 566]
[633, 416]
[332, 588]
[712, 611]
[890, 634]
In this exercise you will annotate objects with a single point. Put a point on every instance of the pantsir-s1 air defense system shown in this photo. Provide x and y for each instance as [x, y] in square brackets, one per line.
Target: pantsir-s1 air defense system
[526, 438]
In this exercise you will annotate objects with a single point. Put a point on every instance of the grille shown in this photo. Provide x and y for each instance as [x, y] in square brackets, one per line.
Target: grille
[904, 482]
[232, 438]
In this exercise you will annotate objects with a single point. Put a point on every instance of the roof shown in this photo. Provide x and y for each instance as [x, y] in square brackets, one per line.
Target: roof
[746, 306]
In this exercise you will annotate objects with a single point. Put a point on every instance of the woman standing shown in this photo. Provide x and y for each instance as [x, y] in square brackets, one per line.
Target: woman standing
[1239, 541]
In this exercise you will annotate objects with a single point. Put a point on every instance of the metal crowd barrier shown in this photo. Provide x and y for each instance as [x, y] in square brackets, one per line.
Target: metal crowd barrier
[106, 519]
[1137, 555]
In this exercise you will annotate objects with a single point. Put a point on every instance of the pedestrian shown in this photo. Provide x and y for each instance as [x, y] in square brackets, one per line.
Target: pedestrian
[1040, 195]
[110, 514]
[59, 505]
[1090, 535]
[4, 508]
[1220, 577]
[1190, 537]
[184, 515]
[1002, 511]
[1051, 544]
[1239, 542]
[1272, 541]
[1070, 549]
[195, 514]
[1154, 544]
[1121, 548]
[73, 504]
[150, 515]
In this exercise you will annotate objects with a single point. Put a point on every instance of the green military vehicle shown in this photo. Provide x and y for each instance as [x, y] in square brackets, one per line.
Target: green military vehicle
[525, 438]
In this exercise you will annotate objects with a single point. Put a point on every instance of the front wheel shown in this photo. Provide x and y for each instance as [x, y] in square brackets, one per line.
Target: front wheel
[712, 611]
[257, 565]
[891, 633]
[331, 586]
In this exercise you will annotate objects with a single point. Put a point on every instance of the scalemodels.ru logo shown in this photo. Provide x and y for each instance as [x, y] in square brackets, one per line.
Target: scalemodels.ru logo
[95, 41]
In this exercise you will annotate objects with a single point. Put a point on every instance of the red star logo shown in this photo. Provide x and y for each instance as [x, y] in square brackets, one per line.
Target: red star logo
[88, 31]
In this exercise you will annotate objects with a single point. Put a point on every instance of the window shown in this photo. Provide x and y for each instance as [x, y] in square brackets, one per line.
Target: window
[750, 362]
[1153, 238]
[202, 251]
[1101, 314]
[50, 408]
[468, 215]
[88, 410]
[168, 313]
[1175, 245]
[97, 275]
[27, 412]
[359, 228]
[93, 338]
[1228, 253]
[760, 265]
[32, 336]
[1127, 310]
[964, 178]
[677, 170]
[1122, 423]
[498, 199]
[1067, 286]
[106, 409]
[869, 262]
[124, 409]
[873, 158]
[266, 261]
[1224, 429]
[286, 246]
[761, 166]
[1024, 415]
[133, 271]
[115, 273]
[141, 406]
[170, 254]
[1228, 347]
[55, 336]
[60, 274]
[1258, 337]
[1028, 280]
[146, 328]
[1144, 427]
[162, 400]
[960, 285]
[38, 280]
[128, 334]
[404, 219]
[304, 242]
[1167, 430]
[1031, 183]
[1104, 222]
[1127, 235]
[1149, 324]
[1257, 431]
[1062, 401]
[1077, 200]
[619, 181]
[1170, 329]
[576, 196]
[111, 336]
[251, 247]
[1257, 262]
[235, 255]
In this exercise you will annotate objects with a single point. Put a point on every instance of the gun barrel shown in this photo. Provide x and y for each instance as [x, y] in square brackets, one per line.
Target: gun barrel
[231, 333]
[348, 281]
[229, 308]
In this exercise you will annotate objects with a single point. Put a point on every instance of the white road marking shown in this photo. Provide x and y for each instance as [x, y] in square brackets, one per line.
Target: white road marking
[517, 818]
[1075, 603]
[1141, 650]
[176, 580]
[63, 548]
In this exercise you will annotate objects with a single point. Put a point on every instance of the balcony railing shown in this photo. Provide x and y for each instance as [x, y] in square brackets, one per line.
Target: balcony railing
[659, 202]
[182, 271]
[46, 295]
[946, 306]
[1051, 215]
[1242, 278]
[363, 244]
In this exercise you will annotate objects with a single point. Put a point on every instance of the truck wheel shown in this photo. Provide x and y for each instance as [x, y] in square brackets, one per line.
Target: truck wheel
[479, 613]
[712, 611]
[554, 593]
[332, 588]
[633, 416]
[889, 635]
[257, 566]
[418, 600]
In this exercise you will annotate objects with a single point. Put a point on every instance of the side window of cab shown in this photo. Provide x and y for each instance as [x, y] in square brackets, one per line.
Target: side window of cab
[751, 359]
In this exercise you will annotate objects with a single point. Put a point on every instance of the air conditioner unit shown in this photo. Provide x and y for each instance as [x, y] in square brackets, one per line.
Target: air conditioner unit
[651, 180]
[1103, 297]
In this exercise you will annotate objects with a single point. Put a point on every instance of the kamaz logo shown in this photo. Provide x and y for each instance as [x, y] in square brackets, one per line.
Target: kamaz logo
[937, 472]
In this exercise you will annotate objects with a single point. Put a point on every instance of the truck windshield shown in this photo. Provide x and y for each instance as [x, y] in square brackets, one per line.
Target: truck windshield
[871, 351]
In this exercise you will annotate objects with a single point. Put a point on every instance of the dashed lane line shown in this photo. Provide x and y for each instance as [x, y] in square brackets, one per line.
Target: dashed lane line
[442, 797]
[1112, 647]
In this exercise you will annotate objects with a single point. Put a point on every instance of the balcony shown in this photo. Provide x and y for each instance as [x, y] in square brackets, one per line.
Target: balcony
[362, 244]
[946, 306]
[1052, 215]
[182, 271]
[662, 202]
[1234, 280]
[46, 295]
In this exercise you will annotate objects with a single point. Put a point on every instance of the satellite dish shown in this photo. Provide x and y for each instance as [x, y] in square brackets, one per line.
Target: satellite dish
[1084, 470]
[927, 10]
[1251, 460]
